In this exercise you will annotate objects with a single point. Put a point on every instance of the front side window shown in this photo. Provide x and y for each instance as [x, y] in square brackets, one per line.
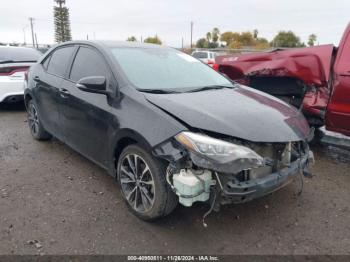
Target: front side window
[167, 69]
[88, 63]
[59, 61]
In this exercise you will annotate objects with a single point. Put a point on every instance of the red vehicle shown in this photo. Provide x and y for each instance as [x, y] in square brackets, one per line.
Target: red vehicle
[314, 79]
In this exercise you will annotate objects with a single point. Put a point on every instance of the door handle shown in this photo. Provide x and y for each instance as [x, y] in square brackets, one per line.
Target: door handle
[64, 93]
[36, 78]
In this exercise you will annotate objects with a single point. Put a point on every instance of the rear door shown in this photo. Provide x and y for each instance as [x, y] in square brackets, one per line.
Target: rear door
[338, 111]
[85, 116]
[48, 81]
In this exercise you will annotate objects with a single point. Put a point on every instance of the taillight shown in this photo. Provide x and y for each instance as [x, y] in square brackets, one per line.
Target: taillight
[216, 67]
[6, 71]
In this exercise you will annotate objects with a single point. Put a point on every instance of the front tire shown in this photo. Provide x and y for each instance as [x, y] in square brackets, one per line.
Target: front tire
[141, 178]
[36, 128]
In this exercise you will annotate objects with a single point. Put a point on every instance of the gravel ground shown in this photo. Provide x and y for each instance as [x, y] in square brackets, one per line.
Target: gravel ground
[54, 201]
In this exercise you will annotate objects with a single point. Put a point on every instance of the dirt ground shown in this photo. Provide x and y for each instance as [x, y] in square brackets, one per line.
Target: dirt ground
[54, 201]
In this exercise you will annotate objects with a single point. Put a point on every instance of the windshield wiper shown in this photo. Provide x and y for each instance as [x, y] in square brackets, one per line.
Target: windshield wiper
[211, 87]
[13, 61]
[157, 91]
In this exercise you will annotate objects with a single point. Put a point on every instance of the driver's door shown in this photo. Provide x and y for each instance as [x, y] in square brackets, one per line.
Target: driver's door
[85, 116]
[338, 111]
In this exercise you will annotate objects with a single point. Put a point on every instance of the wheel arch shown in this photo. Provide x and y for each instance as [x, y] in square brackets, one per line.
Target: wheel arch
[124, 138]
[27, 98]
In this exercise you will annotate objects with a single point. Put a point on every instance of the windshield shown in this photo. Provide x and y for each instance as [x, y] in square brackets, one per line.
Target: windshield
[18, 54]
[166, 69]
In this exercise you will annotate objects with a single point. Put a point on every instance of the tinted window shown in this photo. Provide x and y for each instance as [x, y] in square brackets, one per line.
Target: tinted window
[200, 55]
[88, 63]
[165, 68]
[60, 60]
[19, 54]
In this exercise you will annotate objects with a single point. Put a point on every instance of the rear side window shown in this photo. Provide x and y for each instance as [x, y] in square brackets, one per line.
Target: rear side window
[88, 62]
[59, 61]
[200, 55]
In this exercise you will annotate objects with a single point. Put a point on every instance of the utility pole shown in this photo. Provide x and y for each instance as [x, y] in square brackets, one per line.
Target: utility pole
[31, 19]
[24, 35]
[36, 41]
[191, 32]
[182, 43]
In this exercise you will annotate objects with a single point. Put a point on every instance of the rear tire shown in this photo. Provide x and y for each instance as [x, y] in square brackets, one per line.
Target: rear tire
[141, 178]
[36, 128]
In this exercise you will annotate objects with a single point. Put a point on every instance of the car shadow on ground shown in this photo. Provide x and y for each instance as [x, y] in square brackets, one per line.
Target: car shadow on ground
[15, 107]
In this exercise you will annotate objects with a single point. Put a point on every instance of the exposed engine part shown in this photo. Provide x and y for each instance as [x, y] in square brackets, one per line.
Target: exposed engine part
[191, 185]
[192, 176]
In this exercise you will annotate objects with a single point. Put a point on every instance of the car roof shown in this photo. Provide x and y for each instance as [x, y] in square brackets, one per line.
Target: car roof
[116, 44]
[19, 53]
[15, 47]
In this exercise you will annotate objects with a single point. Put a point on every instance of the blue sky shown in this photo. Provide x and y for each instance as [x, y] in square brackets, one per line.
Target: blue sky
[170, 19]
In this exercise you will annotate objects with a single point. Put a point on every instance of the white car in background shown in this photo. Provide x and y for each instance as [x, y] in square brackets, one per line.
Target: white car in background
[14, 62]
[206, 57]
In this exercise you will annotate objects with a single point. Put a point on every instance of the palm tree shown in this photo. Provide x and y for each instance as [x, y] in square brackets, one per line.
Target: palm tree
[208, 36]
[215, 34]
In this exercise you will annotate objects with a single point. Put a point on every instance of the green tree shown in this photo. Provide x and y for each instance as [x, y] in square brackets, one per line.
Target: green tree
[131, 39]
[312, 40]
[287, 39]
[235, 45]
[261, 43]
[255, 33]
[62, 23]
[153, 40]
[215, 34]
[202, 43]
[247, 39]
[230, 37]
[208, 35]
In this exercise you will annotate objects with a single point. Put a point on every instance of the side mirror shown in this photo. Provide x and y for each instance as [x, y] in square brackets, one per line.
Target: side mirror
[93, 84]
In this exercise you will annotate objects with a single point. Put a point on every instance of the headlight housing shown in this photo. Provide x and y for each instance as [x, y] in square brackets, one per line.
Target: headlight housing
[217, 154]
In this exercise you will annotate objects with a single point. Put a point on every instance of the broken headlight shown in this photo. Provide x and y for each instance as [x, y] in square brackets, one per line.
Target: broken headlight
[227, 156]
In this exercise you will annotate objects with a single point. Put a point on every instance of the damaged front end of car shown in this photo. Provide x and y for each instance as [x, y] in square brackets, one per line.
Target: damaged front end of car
[222, 170]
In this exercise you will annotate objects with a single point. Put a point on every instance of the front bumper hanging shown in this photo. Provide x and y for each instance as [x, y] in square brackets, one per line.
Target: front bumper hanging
[232, 192]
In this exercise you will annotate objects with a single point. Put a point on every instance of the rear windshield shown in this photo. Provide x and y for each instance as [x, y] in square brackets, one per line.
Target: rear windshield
[18, 54]
[200, 55]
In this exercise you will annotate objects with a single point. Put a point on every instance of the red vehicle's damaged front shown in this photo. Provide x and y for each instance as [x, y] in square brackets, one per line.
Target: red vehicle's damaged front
[314, 79]
[298, 76]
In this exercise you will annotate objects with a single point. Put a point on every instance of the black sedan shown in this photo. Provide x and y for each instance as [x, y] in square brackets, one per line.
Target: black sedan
[168, 127]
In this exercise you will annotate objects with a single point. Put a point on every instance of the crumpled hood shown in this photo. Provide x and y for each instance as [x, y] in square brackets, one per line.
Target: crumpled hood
[241, 112]
[310, 64]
